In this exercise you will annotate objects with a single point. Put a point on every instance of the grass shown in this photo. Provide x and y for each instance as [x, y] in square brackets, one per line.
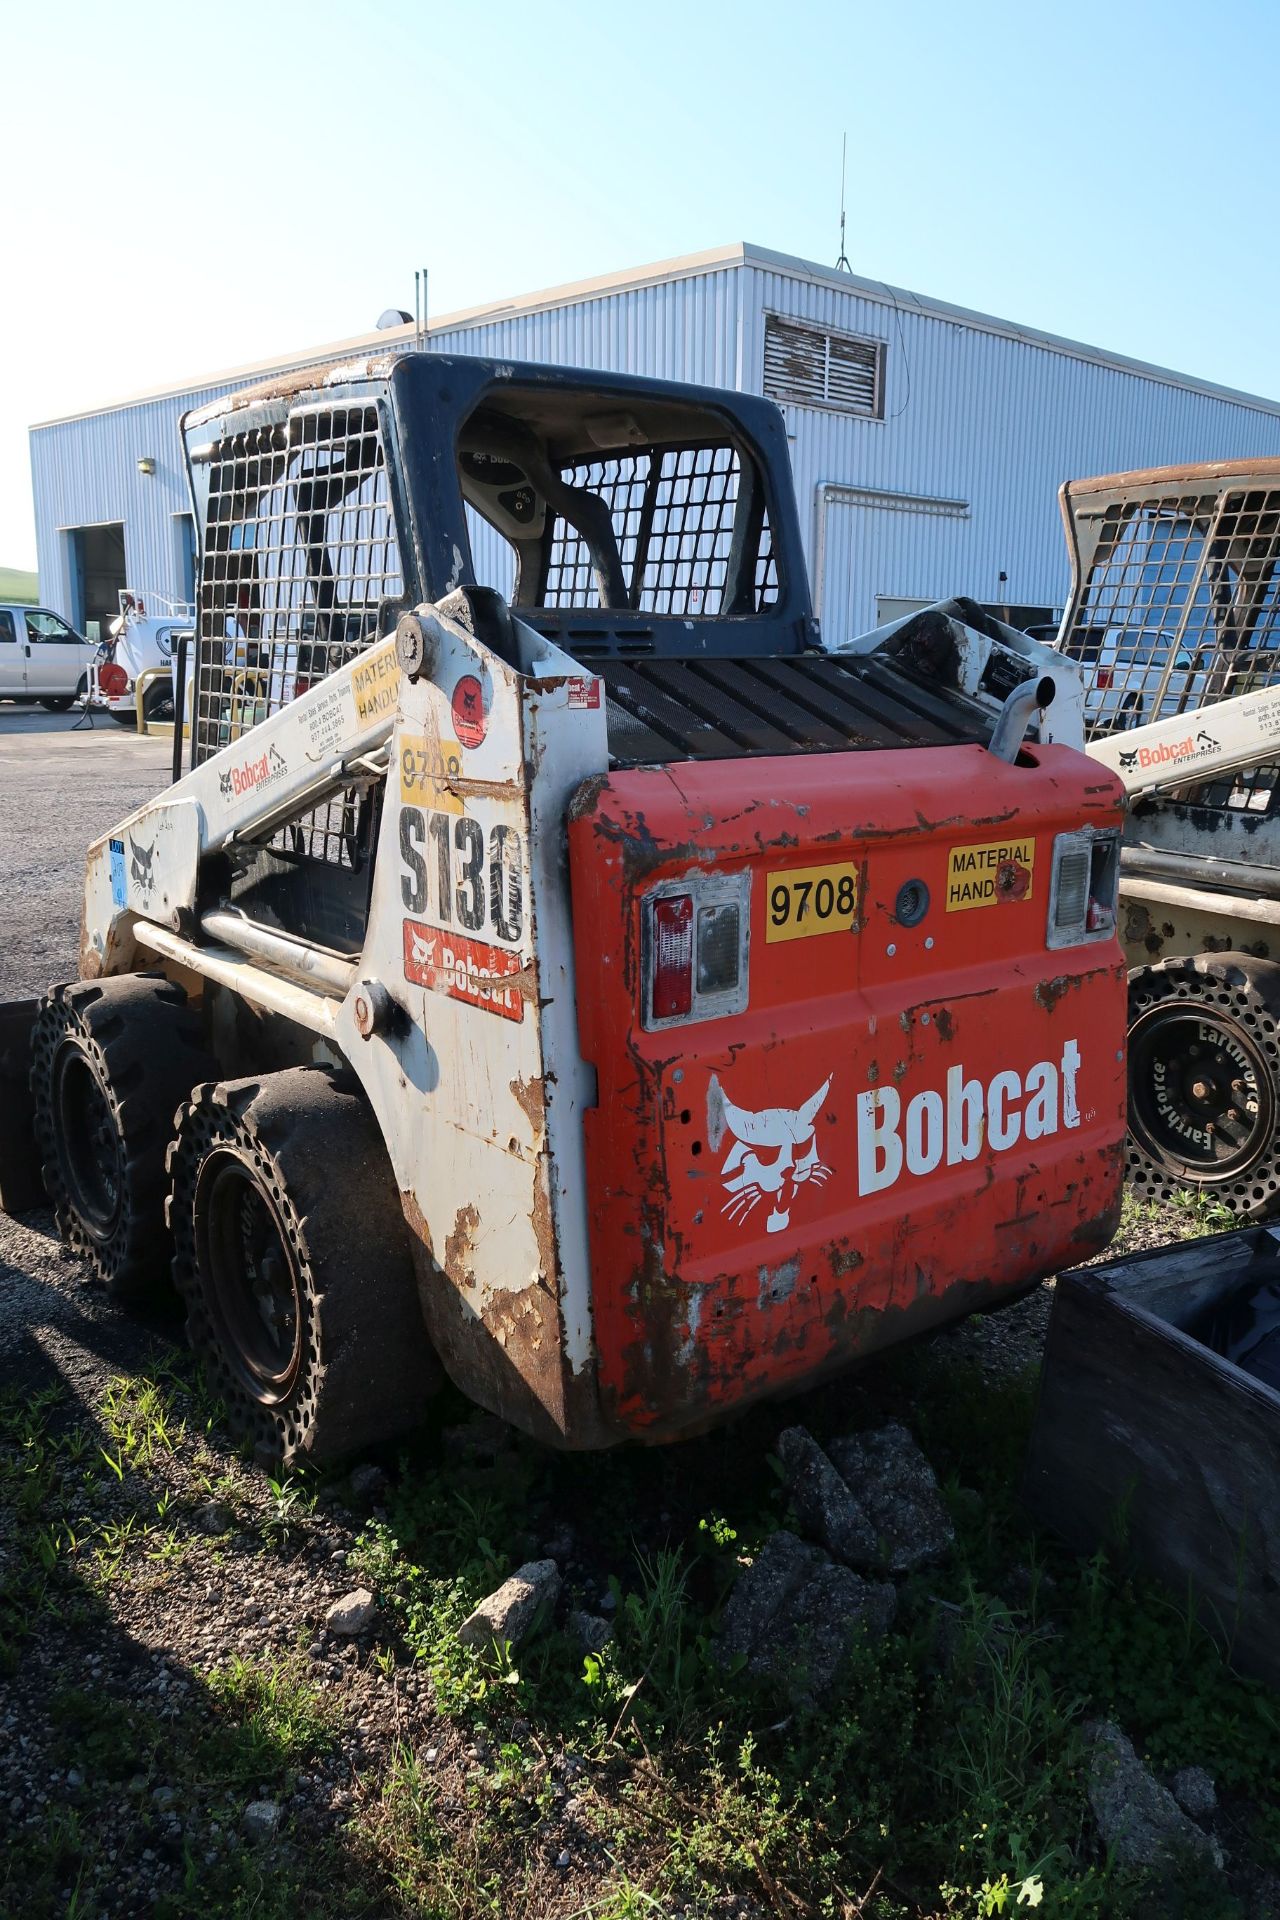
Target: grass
[926, 1785]
[945, 1774]
[19, 584]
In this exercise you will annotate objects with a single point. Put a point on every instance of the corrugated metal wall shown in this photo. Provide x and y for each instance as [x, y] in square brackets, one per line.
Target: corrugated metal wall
[973, 416]
[685, 329]
[987, 422]
[85, 473]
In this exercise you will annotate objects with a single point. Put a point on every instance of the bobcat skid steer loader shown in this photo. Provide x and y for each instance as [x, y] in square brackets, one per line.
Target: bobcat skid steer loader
[1174, 621]
[583, 982]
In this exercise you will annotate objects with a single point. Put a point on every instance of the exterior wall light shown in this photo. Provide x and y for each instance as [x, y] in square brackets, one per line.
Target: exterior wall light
[146, 464]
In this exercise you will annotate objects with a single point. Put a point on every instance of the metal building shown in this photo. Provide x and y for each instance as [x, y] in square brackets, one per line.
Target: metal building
[928, 442]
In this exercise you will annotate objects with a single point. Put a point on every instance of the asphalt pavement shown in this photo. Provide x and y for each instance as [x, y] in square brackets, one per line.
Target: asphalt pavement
[61, 786]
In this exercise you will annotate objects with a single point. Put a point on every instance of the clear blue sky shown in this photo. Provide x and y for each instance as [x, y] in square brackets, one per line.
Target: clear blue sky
[185, 188]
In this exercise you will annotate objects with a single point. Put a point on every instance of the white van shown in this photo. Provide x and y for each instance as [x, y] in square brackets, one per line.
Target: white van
[42, 658]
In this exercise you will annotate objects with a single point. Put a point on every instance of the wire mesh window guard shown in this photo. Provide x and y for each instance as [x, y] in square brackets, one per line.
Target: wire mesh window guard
[1181, 608]
[300, 548]
[674, 513]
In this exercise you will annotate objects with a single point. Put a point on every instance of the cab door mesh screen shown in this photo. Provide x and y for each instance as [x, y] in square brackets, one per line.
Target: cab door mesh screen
[300, 548]
[1182, 609]
[674, 512]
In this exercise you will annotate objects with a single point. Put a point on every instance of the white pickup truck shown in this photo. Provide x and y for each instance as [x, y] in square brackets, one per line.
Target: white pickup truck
[42, 658]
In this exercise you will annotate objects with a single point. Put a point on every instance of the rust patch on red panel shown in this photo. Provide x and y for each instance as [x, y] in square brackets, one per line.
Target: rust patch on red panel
[1013, 880]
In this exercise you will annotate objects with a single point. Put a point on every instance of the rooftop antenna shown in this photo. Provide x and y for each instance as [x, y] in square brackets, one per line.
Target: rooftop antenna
[424, 307]
[843, 261]
[417, 306]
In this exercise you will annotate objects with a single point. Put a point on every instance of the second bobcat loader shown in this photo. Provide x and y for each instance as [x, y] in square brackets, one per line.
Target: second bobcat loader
[551, 963]
[1174, 621]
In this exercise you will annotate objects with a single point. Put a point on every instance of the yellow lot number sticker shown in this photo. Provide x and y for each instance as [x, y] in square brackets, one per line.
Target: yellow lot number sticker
[805, 901]
[989, 876]
[426, 769]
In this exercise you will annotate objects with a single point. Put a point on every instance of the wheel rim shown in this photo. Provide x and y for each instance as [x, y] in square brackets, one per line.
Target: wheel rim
[251, 1276]
[88, 1141]
[1200, 1092]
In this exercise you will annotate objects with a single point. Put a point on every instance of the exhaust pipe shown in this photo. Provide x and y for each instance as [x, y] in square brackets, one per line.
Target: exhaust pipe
[1015, 716]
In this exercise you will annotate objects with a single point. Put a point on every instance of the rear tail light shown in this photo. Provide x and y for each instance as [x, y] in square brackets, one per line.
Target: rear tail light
[1103, 677]
[695, 944]
[1084, 889]
[113, 680]
[672, 957]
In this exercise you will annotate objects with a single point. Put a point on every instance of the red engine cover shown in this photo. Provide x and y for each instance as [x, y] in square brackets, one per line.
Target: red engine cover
[904, 1122]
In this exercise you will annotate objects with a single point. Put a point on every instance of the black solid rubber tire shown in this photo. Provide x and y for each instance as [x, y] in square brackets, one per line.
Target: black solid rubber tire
[57, 702]
[157, 701]
[311, 1151]
[1236, 997]
[127, 719]
[135, 1038]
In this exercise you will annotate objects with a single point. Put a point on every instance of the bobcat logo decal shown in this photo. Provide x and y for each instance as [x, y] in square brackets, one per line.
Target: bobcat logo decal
[1127, 760]
[140, 859]
[774, 1153]
[424, 951]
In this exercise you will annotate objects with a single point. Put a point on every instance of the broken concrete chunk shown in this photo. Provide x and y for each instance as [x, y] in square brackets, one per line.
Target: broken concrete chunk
[761, 1591]
[890, 1479]
[828, 1618]
[1194, 1791]
[796, 1615]
[1140, 1821]
[352, 1614]
[590, 1630]
[507, 1616]
[826, 1507]
[261, 1820]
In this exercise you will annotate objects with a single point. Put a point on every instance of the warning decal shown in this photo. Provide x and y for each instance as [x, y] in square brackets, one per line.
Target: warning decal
[989, 876]
[464, 969]
[375, 682]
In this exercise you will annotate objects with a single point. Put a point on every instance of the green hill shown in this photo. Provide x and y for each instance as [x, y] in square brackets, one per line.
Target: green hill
[17, 584]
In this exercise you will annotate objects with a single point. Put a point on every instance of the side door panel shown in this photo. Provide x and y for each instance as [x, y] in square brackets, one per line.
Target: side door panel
[56, 655]
[13, 678]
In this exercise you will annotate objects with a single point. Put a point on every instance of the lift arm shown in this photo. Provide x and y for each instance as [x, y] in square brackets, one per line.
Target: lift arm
[146, 869]
[1196, 746]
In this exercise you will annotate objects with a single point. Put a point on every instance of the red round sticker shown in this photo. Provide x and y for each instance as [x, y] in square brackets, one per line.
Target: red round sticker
[469, 718]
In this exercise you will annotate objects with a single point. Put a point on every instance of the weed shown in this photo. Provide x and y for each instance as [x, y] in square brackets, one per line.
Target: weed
[137, 1416]
[1202, 1213]
[290, 1500]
